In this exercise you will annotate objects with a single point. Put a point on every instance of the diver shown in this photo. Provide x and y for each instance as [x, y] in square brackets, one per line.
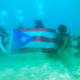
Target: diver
[20, 26]
[78, 45]
[76, 48]
[3, 39]
[39, 24]
[62, 39]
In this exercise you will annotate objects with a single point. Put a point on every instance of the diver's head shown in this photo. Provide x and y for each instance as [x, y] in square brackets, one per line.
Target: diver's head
[62, 29]
[79, 37]
[1, 30]
[38, 24]
[20, 26]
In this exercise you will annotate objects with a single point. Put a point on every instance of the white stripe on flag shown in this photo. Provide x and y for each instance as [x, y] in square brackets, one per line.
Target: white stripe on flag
[41, 33]
[39, 44]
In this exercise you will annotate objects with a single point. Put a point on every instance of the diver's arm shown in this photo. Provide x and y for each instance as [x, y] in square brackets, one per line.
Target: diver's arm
[1, 46]
[3, 49]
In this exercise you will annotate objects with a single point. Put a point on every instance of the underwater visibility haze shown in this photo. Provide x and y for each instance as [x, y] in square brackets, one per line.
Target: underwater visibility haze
[39, 39]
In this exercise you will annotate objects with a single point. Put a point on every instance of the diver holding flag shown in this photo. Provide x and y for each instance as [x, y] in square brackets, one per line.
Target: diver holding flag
[3, 33]
[3, 40]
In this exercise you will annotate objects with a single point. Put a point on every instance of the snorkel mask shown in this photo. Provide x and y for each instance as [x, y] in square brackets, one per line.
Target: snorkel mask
[62, 29]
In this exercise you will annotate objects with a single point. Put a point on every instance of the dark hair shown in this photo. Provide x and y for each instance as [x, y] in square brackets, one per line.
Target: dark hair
[62, 28]
[2, 30]
[79, 37]
[39, 24]
[20, 26]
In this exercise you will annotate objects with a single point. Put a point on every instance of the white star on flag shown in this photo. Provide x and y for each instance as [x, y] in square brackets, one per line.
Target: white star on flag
[24, 39]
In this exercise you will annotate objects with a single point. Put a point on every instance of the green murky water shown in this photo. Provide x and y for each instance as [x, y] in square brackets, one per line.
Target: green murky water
[39, 66]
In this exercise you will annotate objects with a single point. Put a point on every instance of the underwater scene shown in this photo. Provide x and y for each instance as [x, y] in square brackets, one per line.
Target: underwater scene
[39, 40]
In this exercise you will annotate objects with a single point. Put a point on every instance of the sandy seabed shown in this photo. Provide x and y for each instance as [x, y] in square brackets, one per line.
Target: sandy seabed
[39, 66]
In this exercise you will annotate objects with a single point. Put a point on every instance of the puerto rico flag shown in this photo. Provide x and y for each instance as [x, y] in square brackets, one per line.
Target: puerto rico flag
[33, 38]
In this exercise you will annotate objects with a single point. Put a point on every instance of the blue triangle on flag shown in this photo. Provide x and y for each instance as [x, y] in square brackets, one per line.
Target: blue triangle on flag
[20, 39]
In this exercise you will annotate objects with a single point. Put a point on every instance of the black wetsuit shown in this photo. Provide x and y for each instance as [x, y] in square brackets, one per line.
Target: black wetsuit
[79, 45]
[60, 40]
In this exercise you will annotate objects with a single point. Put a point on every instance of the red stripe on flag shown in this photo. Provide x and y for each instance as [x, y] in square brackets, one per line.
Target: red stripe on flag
[33, 29]
[37, 38]
[48, 50]
[38, 29]
[44, 39]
